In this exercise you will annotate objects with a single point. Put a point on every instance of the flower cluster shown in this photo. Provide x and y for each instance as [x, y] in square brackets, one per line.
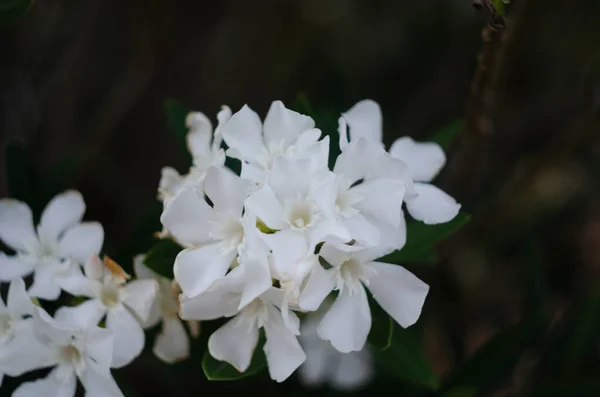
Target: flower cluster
[286, 238]
[288, 231]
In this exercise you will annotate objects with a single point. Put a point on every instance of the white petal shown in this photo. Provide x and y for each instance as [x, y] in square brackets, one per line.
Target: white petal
[200, 133]
[25, 353]
[257, 278]
[94, 268]
[291, 178]
[433, 205]
[234, 343]
[75, 283]
[424, 159]
[243, 133]
[139, 296]
[209, 305]
[320, 283]
[343, 133]
[386, 166]
[282, 125]
[362, 231]
[81, 241]
[86, 314]
[253, 172]
[170, 182]
[16, 225]
[44, 284]
[348, 164]
[282, 349]
[365, 121]
[196, 269]
[99, 346]
[141, 270]
[64, 210]
[12, 268]
[354, 370]
[226, 190]
[18, 302]
[348, 322]
[267, 207]
[98, 383]
[289, 247]
[129, 336]
[392, 239]
[317, 366]
[398, 292]
[172, 344]
[382, 199]
[187, 216]
[48, 386]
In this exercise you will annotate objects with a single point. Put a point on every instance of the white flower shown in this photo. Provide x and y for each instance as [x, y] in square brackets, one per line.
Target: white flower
[205, 150]
[324, 364]
[111, 296]
[348, 322]
[73, 353]
[284, 133]
[172, 343]
[43, 250]
[236, 341]
[431, 205]
[215, 230]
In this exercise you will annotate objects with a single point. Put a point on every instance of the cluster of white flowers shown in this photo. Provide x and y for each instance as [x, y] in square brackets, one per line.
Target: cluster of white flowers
[286, 236]
[62, 253]
[288, 231]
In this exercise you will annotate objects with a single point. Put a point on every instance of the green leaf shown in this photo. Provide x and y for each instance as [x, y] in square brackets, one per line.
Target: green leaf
[496, 359]
[176, 114]
[12, 10]
[447, 134]
[220, 370]
[162, 257]
[421, 240]
[382, 327]
[22, 177]
[405, 359]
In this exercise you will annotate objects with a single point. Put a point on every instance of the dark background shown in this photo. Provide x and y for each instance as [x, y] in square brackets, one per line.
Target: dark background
[86, 81]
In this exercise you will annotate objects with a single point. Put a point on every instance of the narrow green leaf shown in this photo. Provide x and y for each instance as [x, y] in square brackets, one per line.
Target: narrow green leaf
[162, 257]
[447, 134]
[405, 359]
[220, 370]
[13, 10]
[176, 113]
[382, 327]
[421, 240]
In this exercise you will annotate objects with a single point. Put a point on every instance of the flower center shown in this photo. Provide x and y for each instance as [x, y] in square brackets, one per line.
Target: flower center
[70, 356]
[300, 214]
[110, 294]
[351, 274]
[255, 314]
[347, 198]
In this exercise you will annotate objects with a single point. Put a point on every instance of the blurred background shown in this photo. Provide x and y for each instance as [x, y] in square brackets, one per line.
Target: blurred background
[514, 307]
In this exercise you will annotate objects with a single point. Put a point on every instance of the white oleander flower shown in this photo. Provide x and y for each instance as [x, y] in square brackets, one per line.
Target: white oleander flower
[348, 322]
[124, 304]
[431, 205]
[47, 250]
[16, 328]
[205, 149]
[284, 133]
[172, 344]
[325, 365]
[237, 339]
[73, 353]
[213, 230]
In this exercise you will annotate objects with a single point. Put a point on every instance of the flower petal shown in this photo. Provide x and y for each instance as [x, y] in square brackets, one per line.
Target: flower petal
[348, 322]
[257, 277]
[365, 121]
[139, 296]
[226, 190]
[85, 315]
[392, 239]
[398, 292]
[81, 241]
[368, 152]
[129, 336]
[234, 343]
[267, 207]
[186, 216]
[75, 283]
[99, 383]
[354, 370]
[44, 284]
[16, 225]
[433, 205]
[317, 366]
[212, 304]
[200, 133]
[196, 269]
[288, 248]
[243, 133]
[424, 159]
[362, 231]
[282, 349]
[64, 210]
[99, 346]
[48, 386]
[18, 302]
[382, 199]
[282, 126]
[12, 268]
[320, 283]
[26, 353]
[172, 344]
